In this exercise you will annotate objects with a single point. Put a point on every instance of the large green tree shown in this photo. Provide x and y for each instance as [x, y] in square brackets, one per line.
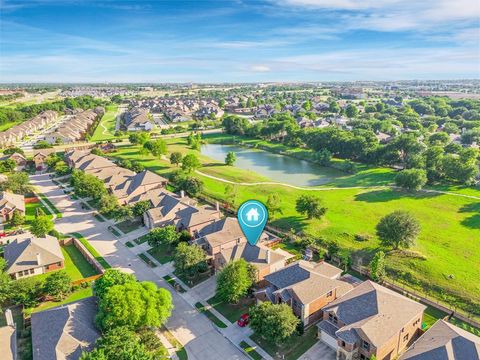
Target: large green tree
[167, 235]
[190, 163]
[135, 305]
[311, 206]
[41, 225]
[377, 266]
[189, 258]
[234, 281]
[398, 229]
[58, 285]
[176, 158]
[110, 278]
[230, 158]
[274, 322]
[411, 179]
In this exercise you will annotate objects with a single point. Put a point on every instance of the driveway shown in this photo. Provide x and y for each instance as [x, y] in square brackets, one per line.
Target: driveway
[200, 338]
[319, 351]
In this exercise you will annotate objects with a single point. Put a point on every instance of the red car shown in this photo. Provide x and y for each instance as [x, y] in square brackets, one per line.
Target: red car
[244, 320]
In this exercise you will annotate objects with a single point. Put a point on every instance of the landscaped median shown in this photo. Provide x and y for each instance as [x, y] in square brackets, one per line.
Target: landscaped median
[46, 200]
[174, 284]
[147, 261]
[92, 250]
[210, 315]
[181, 352]
[250, 351]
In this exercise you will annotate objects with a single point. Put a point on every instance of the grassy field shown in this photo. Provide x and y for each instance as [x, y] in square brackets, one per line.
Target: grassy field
[450, 224]
[106, 128]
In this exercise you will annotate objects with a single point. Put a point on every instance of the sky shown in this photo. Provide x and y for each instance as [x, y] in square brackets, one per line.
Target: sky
[238, 41]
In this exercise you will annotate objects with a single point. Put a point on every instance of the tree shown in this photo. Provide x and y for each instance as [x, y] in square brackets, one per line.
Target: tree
[324, 157]
[176, 158]
[274, 322]
[7, 165]
[231, 194]
[310, 206]
[334, 107]
[42, 144]
[189, 258]
[58, 285]
[140, 207]
[17, 183]
[234, 281]
[398, 229]
[26, 291]
[190, 163]
[139, 138]
[156, 147]
[110, 278]
[135, 305]
[167, 235]
[274, 204]
[121, 343]
[377, 266]
[107, 203]
[230, 158]
[122, 212]
[17, 218]
[411, 179]
[41, 226]
[13, 150]
[5, 282]
[191, 185]
[351, 111]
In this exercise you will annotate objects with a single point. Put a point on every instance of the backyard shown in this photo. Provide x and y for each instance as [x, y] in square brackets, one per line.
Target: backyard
[449, 223]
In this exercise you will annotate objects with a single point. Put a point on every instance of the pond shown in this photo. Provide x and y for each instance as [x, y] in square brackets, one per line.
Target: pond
[278, 168]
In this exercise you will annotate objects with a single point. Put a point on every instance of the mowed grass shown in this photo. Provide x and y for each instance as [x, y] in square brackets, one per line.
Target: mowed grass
[450, 224]
[106, 127]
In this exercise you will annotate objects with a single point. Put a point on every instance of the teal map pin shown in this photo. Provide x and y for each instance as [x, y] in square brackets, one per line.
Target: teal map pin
[252, 217]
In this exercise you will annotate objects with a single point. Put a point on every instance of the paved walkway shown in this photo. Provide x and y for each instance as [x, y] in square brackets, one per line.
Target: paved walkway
[202, 340]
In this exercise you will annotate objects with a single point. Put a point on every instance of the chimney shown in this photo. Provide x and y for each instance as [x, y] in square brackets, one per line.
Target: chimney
[268, 256]
[39, 258]
[182, 194]
[9, 318]
[217, 206]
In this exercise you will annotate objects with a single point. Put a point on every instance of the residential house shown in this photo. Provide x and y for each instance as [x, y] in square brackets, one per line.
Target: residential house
[73, 129]
[444, 341]
[27, 255]
[39, 158]
[136, 185]
[19, 159]
[64, 332]
[10, 202]
[306, 287]
[370, 320]
[137, 120]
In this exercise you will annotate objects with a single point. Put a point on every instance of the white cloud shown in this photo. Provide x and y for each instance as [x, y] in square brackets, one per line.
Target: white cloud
[260, 68]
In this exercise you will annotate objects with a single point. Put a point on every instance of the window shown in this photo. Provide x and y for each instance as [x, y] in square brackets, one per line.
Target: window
[405, 338]
[330, 293]
[362, 357]
[343, 343]
[366, 345]
[335, 320]
[330, 317]
[32, 271]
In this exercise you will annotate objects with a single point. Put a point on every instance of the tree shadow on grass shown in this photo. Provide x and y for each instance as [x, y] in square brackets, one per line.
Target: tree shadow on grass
[298, 223]
[472, 222]
[390, 194]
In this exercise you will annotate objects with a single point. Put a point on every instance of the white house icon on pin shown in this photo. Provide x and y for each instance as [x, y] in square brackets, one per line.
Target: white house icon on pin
[253, 215]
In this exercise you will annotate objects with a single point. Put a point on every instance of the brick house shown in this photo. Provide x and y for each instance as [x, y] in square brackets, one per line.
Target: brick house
[27, 255]
[10, 202]
[370, 320]
[306, 287]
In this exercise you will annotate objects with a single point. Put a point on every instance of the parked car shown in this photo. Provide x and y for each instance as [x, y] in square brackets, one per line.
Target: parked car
[244, 320]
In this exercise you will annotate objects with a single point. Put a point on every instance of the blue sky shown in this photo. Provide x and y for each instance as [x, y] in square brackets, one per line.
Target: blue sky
[238, 41]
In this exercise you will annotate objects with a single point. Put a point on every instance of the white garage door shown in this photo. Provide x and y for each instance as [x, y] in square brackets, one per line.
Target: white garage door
[329, 340]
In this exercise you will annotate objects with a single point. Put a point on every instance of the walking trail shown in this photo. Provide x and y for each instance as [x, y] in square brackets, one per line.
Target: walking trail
[330, 188]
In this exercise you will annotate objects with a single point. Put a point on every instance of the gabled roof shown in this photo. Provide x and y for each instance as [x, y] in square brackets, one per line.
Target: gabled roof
[444, 341]
[222, 231]
[146, 177]
[255, 255]
[12, 201]
[375, 311]
[64, 332]
[21, 252]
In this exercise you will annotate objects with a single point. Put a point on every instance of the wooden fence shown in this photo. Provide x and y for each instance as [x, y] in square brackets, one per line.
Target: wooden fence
[84, 251]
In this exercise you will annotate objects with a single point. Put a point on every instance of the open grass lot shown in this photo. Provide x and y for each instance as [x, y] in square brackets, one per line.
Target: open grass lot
[291, 348]
[231, 311]
[106, 127]
[450, 224]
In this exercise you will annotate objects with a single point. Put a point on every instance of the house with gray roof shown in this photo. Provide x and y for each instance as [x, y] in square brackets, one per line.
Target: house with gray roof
[444, 341]
[370, 320]
[27, 255]
[304, 286]
[64, 332]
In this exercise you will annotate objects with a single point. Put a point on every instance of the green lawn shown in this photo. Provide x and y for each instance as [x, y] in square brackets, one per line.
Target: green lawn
[31, 209]
[162, 253]
[79, 294]
[181, 352]
[450, 224]
[192, 281]
[127, 226]
[210, 315]
[149, 262]
[92, 250]
[106, 127]
[250, 351]
[174, 284]
[291, 348]
[141, 239]
[231, 311]
[76, 265]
